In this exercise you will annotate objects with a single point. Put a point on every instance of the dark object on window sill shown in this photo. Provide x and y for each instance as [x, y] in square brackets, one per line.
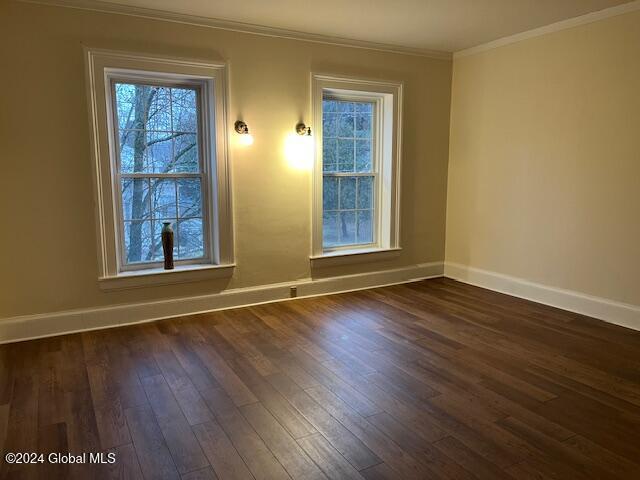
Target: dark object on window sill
[167, 245]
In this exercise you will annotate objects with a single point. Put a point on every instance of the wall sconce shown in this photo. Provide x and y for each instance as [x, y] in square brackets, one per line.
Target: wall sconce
[302, 129]
[245, 138]
[299, 148]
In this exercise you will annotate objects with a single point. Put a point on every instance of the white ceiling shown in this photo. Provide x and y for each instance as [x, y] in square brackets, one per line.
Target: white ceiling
[444, 25]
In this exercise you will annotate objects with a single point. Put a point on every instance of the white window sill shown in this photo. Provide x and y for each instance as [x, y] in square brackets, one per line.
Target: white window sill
[360, 255]
[160, 276]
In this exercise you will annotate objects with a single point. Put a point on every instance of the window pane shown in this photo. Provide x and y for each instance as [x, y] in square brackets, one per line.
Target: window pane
[345, 107]
[330, 155]
[159, 101]
[329, 106]
[363, 156]
[184, 104]
[363, 125]
[189, 198]
[330, 235]
[365, 231]
[347, 193]
[364, 107]
[345, 125]
[125, 105]
[163, 197]
[190, 239]
[133, 158]
[345, 155]
[158, 152]
[347, 228]
[329, 125]
[365, 192]
[137, 241]
[330, 193]
[186, 154]
[135, 198]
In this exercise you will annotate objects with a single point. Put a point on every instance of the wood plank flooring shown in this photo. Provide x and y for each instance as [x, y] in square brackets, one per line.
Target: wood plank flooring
[428, 380]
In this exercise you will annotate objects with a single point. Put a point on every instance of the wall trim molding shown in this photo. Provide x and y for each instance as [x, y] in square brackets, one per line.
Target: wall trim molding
[230, 25]
[28, 327]
[551, 28]
[618, 313]
[253, 29]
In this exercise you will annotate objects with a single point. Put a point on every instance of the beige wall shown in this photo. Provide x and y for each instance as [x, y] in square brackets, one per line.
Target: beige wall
[48, 244]
[544, 173]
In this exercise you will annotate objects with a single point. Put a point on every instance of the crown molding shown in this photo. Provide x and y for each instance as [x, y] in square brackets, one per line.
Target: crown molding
[208, 22]
[551, 28]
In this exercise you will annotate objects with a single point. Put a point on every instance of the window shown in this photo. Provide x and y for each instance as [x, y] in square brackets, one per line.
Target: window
[160, 171]
[160, 156]
[348, 171]
[357, 166]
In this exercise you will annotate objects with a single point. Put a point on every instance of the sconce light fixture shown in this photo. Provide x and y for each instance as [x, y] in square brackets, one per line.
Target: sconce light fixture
[299, 148]
[302, 129]
[242, 129]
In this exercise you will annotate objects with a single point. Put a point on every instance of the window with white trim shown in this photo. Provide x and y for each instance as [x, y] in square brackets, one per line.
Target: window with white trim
[357, 166]
[160, 157]
[159, 170]
[349, 171]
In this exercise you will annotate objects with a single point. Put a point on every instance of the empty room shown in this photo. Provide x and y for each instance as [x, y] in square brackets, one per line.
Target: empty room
[336, 240]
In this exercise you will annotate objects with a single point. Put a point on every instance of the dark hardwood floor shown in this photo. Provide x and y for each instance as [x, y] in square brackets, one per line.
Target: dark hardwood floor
[429, 380]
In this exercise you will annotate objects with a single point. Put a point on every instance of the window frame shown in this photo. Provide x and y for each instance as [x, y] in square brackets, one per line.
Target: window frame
[386, 155]
[205, 159]
[375, 167]
[106, 68]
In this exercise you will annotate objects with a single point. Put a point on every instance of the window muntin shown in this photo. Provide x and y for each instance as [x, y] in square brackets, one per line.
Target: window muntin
[349, 172]
[160, 174]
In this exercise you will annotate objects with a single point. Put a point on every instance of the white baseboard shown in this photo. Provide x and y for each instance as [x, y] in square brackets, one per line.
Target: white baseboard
[623, 314]
[28, 327]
